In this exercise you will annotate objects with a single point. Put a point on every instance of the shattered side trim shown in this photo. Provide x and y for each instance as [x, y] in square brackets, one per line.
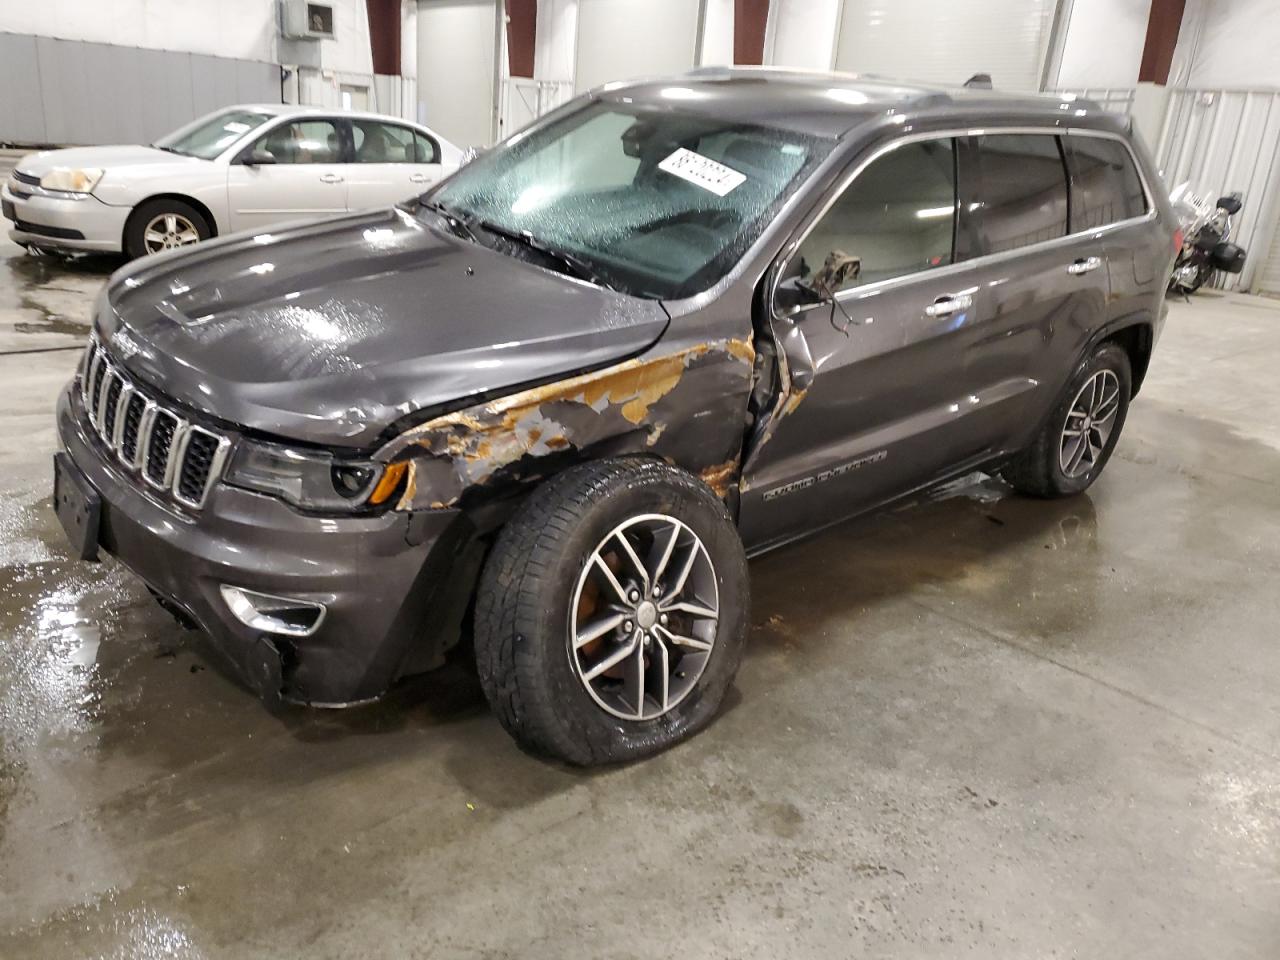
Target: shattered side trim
[647, 403]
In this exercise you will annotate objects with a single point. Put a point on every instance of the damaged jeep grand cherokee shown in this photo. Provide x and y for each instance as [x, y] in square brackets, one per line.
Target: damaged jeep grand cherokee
[554, 403]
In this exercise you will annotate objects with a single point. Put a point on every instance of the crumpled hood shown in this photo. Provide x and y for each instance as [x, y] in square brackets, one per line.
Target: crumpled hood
[329, 332]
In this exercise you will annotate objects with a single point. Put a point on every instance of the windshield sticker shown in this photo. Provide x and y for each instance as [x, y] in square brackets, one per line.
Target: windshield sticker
[702, 171]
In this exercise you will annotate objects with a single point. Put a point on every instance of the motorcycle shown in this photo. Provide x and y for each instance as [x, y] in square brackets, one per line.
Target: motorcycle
[1206, 234]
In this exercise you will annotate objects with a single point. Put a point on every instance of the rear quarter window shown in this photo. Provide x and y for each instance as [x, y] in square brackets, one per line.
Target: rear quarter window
[1022, 191]
[1105, 186]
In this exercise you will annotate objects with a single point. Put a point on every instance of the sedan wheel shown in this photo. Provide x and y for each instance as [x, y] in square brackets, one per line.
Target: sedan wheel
[165, 223]
[168, 231]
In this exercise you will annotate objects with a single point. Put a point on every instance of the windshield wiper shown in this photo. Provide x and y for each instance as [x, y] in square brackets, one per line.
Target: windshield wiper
[168, 149]
[457, 223]
[576, 265]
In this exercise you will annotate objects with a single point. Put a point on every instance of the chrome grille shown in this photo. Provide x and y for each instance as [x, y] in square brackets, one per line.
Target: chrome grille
[171, 455]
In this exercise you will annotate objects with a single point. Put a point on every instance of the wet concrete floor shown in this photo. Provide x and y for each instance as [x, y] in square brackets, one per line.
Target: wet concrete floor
[976, 726]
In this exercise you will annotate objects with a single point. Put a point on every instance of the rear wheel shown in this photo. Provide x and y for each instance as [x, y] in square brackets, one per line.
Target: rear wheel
[1076, 442]
[611, 614]
[164, 224]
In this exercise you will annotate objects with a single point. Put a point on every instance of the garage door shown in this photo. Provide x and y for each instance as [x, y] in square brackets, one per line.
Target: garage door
[946, 43]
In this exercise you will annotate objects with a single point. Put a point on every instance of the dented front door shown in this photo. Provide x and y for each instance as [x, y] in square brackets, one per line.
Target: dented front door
[877, 406]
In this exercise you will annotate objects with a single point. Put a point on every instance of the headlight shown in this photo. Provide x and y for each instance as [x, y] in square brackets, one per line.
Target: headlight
[312, 480]
[72, 179]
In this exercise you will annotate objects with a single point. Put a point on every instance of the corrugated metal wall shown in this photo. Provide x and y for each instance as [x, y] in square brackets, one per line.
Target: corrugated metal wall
[1222, 141]
[72, 92]
[1269, 278]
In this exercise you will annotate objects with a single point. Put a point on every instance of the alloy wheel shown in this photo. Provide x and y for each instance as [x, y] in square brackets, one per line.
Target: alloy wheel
[168, 231]
[1090, 421]
[643, 619]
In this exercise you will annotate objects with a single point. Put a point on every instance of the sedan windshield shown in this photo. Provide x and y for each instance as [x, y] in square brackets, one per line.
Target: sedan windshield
[209, 136]
[656, 203]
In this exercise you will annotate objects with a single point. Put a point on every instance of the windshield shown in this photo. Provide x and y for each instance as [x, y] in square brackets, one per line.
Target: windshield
[209, 136]
[657, 203]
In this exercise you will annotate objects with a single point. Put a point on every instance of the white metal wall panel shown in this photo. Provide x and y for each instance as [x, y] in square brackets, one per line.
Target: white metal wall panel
[1103, 44]
[1269, 281]
[623, 39]
[457, 67]
[1222, 141]
[1233, 41]
[802, 34]
[946, 42]
[73, 92]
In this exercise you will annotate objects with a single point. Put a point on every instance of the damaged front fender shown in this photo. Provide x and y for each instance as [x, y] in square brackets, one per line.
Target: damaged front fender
[686, 405]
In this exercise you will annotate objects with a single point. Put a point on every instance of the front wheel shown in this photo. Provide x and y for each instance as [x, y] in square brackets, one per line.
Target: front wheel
[612, 612]
[164, 224]
[1077, 440]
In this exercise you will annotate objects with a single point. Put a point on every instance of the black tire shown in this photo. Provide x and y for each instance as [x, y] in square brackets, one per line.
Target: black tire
[1038, 470]
[522, 619]
[135, 244]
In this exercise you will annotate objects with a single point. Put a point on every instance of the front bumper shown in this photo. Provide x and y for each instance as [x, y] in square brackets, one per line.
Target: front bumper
[379, 577]
[61, 222]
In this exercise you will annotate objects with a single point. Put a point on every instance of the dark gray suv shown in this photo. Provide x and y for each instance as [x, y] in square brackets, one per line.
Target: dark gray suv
[553, 404]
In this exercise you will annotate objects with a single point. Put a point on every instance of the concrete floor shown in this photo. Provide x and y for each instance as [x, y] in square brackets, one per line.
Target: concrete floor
[977, 726]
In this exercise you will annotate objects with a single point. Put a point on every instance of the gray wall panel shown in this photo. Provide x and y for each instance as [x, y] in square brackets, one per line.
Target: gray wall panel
[204, 92]
[224, 81]
[257, 82]
[21, 113]
[112, 110]
[87, 93]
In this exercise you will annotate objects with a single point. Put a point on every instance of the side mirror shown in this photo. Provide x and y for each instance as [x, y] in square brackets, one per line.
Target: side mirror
[258, 157]
[1230, 203]
[793, 294]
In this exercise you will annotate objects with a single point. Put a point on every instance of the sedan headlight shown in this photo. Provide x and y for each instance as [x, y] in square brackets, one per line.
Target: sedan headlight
[72, 179]
[313, 480]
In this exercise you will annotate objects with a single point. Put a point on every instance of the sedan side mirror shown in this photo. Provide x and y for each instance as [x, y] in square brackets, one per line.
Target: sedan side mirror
[253, 158]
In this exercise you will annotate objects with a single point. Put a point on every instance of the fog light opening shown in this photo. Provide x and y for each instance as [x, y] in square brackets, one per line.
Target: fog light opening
[285, 616]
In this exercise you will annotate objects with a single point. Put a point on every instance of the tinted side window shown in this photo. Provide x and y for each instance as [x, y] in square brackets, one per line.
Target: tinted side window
[1105, 186]
[1023, 190]
[304, 141]
[382, 142]
[897, 217]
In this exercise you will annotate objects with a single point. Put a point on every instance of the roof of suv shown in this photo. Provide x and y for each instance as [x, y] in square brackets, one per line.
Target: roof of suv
[832, 104]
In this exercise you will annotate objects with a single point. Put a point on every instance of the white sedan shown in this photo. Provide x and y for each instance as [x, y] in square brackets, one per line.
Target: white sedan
[241, 168]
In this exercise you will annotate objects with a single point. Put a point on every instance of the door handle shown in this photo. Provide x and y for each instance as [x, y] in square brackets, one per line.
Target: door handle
[330, 178]
[1084, 265]
[419, 178]
[945, 306]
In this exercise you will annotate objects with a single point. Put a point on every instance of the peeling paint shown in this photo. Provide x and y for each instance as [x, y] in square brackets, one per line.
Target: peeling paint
[793, 401]
[720, 477]
[456, 452]
[742, 349]
[410, 487]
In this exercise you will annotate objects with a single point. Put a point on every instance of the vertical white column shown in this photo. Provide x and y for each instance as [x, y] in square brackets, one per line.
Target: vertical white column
[717, 34]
